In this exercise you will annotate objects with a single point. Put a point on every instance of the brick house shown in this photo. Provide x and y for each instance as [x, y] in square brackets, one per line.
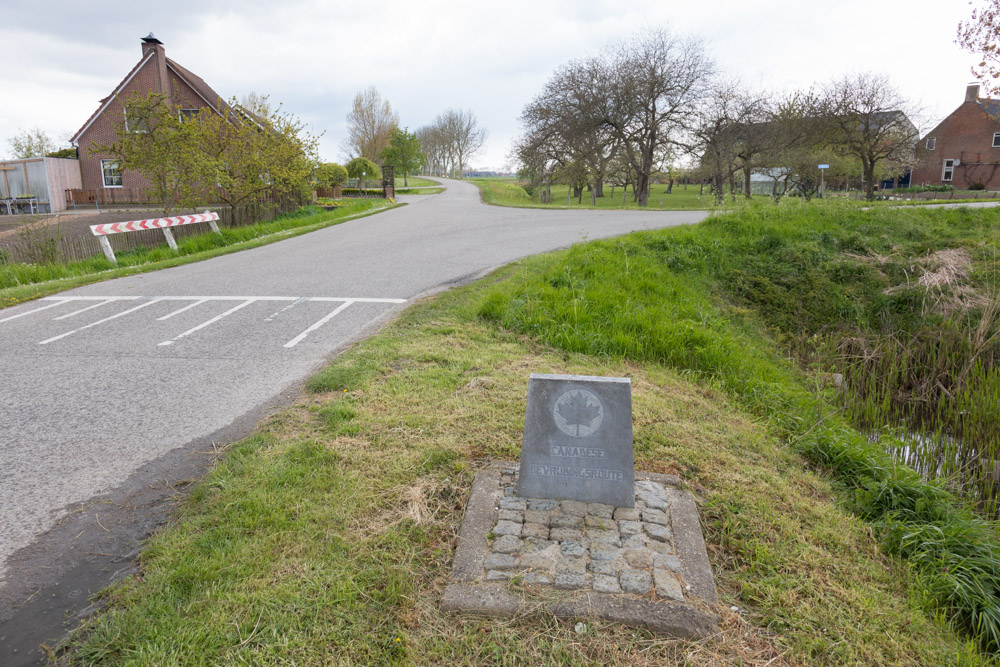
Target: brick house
[154, 72]
[964, 149]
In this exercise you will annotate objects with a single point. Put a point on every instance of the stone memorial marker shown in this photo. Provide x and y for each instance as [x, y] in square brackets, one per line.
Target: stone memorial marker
[578, 440]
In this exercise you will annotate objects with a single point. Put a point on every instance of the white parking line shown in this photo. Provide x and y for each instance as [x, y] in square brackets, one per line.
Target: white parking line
[83, 310]
[94, 302]
[51, 305]
[274, 316]
[208, 322]
[181, 310]
[298, 339]
[94, 324]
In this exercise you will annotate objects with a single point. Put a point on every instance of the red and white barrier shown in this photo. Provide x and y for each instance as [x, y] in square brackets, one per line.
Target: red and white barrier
[102, 231]
[152, 223]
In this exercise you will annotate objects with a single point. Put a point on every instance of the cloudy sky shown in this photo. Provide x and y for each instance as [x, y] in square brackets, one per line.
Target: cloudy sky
[61, 56]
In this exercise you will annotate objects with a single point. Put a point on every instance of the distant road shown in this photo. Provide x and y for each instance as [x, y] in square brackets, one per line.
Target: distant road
[105, 388]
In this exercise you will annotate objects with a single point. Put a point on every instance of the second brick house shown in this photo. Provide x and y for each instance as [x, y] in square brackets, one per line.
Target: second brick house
[100, 175]
[964, 149]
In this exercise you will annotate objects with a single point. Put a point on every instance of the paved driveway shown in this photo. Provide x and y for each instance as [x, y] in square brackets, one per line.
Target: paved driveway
[99, 384]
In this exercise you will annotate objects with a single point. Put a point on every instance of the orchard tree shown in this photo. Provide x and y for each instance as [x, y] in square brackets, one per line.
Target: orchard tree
[158, 144]
[257, 152]
[370, 123]
[403, 153]
[649, 87]
[31, 143]
[564, 124]
[866, 118]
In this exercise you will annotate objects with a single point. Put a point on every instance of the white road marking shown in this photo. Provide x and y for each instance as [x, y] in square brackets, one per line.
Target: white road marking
[208, 322]
[83, 310]
[298, 339]
[51, 305]
[292, 301]
[94, 324]
[181, 310]
[359, 299]
[272, 317]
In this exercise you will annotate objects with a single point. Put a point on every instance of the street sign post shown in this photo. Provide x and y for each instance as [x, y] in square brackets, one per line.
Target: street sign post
[822, 181]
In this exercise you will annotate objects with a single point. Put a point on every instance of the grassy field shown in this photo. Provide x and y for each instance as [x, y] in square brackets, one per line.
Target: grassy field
[420, 191]
[22, 282]
[505, 192]
[415, 182]
[327, 536]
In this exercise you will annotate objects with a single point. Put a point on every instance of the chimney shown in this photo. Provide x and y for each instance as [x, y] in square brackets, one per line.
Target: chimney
[152, 45]
[972, 92]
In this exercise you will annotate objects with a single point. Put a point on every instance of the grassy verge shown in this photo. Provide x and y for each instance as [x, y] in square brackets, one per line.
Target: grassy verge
[414, 182]
[328, 536]
[502, 192]
[420, 191]
[654, 297]
[22, 282]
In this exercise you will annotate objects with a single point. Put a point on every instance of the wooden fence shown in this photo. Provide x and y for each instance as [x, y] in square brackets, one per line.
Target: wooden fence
[52, 244]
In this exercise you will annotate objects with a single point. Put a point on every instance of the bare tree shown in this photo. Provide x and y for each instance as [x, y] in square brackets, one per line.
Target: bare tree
[981, 35]
[564, 124]
[869, 120]
[650, 86]
[463, 136]
[370, 122]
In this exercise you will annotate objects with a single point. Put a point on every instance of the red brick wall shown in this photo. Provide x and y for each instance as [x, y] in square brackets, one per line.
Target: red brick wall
[102, 130]
[966, 135]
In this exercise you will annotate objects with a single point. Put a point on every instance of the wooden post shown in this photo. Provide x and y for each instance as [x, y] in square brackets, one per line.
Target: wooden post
[170, 238]
[108, 252]
[212, 224]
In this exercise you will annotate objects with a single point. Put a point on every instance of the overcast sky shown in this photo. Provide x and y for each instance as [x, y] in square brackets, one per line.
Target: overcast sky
[61, 56]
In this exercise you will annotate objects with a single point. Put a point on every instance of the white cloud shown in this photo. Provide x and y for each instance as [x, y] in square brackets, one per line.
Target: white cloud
[429, 56]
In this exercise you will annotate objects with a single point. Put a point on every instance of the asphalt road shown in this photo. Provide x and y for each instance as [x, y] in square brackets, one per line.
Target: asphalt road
[102, 382]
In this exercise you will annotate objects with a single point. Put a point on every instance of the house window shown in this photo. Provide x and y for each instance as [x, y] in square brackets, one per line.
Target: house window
[996, 140]
[111, 173]
[137, 124]
[948, 171]
[187, 114]
[932, 141]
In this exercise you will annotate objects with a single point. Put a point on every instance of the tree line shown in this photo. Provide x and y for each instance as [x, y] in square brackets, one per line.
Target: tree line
[637, 109]
[441, 148]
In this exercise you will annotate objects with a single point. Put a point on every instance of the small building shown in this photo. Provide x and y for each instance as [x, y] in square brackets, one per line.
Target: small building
[102, 180]
[45, 178]
[964, 149]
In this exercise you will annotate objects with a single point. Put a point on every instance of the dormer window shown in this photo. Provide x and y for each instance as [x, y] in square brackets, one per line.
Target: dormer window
[996, 140]
[932, 141]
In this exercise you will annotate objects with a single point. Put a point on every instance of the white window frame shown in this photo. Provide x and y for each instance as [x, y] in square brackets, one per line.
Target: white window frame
[948, 170]
[182, 117]
[131, 129]
[104, 178]
[931, 143]
[996, 140]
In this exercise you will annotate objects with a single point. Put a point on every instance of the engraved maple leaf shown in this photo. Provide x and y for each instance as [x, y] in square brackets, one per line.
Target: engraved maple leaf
[578, 411]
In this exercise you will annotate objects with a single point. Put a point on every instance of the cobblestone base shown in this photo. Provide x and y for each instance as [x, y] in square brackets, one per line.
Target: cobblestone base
[640, 565]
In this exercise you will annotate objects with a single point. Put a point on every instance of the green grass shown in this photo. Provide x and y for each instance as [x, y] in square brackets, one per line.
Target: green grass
[420, 191]
[22, 282]
[327, 537]
[655, 297]
[415, 182]
[504, 192]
